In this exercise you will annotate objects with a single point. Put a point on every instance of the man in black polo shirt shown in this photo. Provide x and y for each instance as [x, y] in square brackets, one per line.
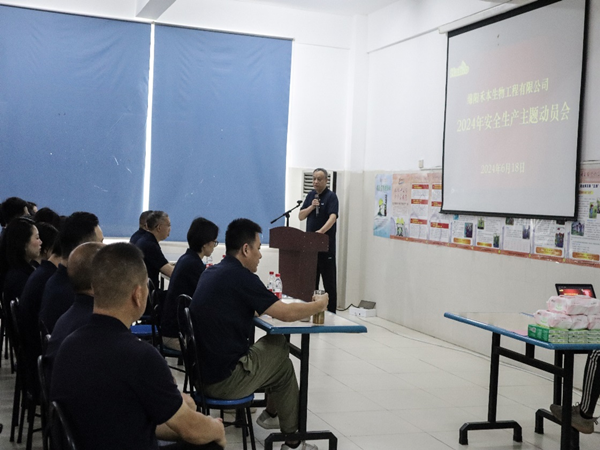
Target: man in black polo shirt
[223, 307]
[321, 208]
[159, 228]
[117, 391]
[143, 229]
[58, 295]
[80, 312]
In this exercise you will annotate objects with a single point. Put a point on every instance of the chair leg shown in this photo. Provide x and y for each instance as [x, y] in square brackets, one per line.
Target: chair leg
[22, 421]
[14, 423]
[250, 428]
[44, 420]
[185, 382]
[2, 324]
[30, 418]
[6, 344]
[244, 427]
[12, 357]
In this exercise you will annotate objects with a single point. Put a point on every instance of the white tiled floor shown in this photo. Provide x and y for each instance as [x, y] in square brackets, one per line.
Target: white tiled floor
[394, 388]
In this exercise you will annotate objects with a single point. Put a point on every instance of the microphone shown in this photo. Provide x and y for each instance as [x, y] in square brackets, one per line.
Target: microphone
[317, 208]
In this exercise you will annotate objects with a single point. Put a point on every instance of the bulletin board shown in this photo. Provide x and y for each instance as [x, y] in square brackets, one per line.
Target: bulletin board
[407, 207]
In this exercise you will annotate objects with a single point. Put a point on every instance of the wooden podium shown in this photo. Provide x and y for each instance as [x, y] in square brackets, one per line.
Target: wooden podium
[298, 259]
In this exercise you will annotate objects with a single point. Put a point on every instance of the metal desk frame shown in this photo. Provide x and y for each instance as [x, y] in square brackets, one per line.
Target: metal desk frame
[333, 324]
[562, 369]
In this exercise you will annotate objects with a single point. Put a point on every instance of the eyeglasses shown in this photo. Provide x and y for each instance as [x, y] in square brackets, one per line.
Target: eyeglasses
[216, 243]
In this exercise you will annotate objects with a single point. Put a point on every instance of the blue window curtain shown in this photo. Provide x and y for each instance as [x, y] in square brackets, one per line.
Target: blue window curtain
[219, 127]
[73, 106]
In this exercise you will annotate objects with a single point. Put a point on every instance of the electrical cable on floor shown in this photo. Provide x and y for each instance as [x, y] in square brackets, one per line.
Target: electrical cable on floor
[346, 308]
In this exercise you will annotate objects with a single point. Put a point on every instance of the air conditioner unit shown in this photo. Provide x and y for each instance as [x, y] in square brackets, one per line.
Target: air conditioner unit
[307, 185]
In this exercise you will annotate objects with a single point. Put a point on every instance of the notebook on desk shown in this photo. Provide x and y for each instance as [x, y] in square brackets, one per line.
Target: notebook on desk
[575, 289]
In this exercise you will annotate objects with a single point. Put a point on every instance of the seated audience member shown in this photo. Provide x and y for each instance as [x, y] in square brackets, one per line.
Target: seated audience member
[582, 418]
[31, 299]
[49, 238]
[12, 208]
[32, 208]
[159, 228]
[116, 390]
[143, 229]
[202, 241]
[58, 295]
[223, 308]
[80, 312]
[49, 216]
[20, 249]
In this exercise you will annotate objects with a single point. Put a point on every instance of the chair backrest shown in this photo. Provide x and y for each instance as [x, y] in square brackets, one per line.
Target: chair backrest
[183, 301]
[62, 436]
[44, 336]
[153, 302]
[16, 336]
[189, 351]
[7, 317]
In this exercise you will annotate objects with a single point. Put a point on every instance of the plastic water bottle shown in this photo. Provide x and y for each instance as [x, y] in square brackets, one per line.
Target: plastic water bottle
[271, 282]
[209, 261]
[278, 286]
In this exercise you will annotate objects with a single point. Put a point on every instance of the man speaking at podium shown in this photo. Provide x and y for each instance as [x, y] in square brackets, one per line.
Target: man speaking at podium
[320, 208]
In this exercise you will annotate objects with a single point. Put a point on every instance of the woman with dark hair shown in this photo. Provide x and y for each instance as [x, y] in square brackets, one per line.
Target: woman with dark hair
[49, 237]
[47, 215]
[202, 240]
[21, 247]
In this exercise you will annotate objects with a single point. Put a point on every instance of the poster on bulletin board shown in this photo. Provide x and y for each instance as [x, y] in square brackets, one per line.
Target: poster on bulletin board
[439, 224]
[585, 231]
[401, 192]
[383, 199]
[407, 207]
[419, 206]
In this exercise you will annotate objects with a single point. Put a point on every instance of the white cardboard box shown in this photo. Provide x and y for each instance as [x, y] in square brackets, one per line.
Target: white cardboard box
[362, 312]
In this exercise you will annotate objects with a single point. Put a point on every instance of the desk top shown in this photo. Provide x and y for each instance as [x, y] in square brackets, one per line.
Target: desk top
[513, 325]
[333, 324]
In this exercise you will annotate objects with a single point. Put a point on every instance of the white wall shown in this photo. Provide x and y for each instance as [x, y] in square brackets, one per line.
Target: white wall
[414, 284]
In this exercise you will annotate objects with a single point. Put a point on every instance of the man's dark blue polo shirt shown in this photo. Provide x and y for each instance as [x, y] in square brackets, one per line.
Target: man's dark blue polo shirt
[153, 256]
[78, 315]
[223, 309]
[58, 297]
[137, 235]
[329, 205]
[114, 388]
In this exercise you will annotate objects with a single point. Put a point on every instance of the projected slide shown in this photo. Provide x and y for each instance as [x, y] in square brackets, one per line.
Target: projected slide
[512, 114]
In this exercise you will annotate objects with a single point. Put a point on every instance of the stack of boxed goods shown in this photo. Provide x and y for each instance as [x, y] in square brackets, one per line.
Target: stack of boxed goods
[573, 319]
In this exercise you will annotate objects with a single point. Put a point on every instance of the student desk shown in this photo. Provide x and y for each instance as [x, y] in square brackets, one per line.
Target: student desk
[514, 326]
[333, 324]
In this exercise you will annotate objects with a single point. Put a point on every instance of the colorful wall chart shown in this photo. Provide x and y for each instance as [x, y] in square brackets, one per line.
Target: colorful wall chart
[407, 207]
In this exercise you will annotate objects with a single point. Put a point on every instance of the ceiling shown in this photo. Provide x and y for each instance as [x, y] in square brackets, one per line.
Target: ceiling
[344, 7]
[352, 7]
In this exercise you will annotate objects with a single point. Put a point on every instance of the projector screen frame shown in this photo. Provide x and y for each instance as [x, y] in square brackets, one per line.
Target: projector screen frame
[500, 17]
